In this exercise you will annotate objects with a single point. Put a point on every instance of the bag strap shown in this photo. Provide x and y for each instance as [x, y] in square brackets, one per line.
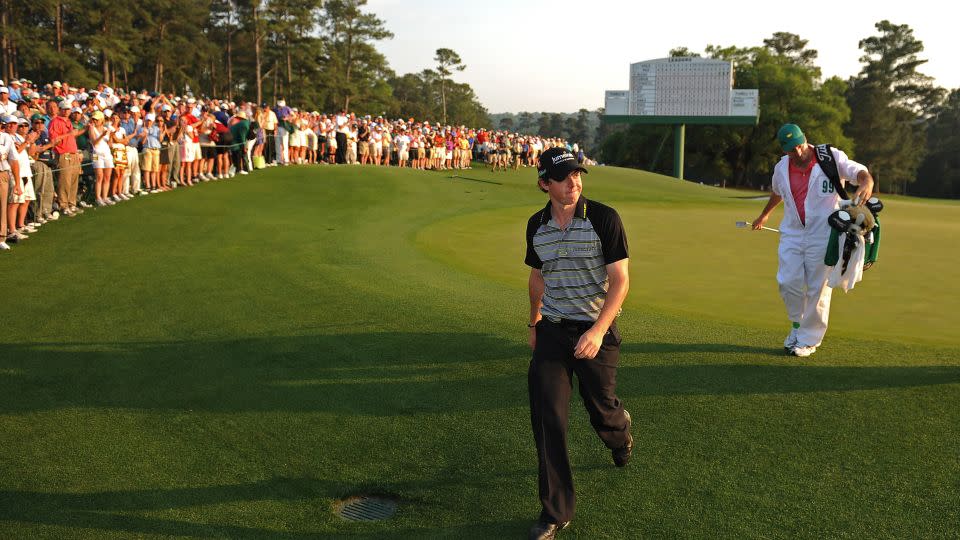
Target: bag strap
[829, 166]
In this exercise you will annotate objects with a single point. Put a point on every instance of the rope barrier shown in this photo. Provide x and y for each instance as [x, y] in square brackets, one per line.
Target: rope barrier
[143, 152]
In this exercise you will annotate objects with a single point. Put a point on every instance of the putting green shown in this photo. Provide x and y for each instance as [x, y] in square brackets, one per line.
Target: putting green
[688, 258]
[232, 359]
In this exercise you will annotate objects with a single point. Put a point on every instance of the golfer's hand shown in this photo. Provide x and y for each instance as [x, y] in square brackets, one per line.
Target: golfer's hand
[589, 345]
[760, 222]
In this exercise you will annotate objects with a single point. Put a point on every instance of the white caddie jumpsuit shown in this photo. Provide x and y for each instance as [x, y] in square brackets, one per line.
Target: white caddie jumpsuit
[802, 275]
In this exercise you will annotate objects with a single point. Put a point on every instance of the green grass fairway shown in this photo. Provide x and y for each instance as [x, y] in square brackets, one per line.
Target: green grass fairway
[229, 360]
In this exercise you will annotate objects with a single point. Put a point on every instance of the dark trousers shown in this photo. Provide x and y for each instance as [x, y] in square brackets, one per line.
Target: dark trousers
[550, 382]
[236, 157]
[341, 147]
[269, 146]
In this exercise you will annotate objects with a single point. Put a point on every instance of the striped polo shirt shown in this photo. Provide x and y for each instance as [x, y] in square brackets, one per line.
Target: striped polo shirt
[574, 261]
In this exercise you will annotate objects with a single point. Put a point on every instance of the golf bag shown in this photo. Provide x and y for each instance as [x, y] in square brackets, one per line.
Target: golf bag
[840, 226]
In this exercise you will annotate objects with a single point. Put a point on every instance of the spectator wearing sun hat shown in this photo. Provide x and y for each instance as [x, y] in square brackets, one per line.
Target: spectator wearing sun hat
[191, 157]
[282, 140]
[268, 121]
[87, 174]
[20, 199]
[239, 127]
[9, 170]
[132, 125]
[151, 153]
[109, 97]
[15, 90]
[102, 158]
[33, 100]
[41, 154]
[169, 135]
[7, 105]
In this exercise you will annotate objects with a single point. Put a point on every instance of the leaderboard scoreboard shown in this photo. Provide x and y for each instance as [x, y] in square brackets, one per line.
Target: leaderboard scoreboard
[680, 88]
[681, 91]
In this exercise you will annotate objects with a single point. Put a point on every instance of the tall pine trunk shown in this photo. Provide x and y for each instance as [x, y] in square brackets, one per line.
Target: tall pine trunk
[230, 66]
[256, 50]
[289, 88]
[443, 98]
[346, 101]
[276, 81]
[59, 26]
[103, 54]
[158, 68]
[213, 78]
[5, 69]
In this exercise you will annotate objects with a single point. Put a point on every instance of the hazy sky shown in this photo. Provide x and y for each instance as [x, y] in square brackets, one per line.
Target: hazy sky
[561, 55]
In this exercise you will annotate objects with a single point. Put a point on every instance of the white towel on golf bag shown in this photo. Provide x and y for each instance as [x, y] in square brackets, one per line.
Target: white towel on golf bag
[854, 274]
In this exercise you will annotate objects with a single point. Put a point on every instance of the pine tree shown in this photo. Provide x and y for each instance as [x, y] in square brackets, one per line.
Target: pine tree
[352, 63]
[889, 100]
[447, 61]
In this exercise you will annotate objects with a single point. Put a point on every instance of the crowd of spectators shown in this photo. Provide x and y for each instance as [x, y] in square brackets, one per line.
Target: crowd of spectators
[64, 149]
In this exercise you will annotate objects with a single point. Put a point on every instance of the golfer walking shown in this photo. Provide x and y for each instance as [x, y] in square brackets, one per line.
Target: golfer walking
[809, 198]
[577, 251]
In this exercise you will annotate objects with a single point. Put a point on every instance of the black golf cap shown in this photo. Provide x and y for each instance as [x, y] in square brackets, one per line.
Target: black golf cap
[556, 163]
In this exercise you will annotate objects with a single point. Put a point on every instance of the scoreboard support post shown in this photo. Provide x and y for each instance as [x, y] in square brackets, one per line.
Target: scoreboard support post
[679, 136]
[680, 124]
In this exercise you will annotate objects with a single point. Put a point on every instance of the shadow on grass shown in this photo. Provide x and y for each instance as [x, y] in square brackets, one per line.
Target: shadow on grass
[117, 510]
[105, 510]
[458, 177]
[350, 374]
[774, 379]
[368, 373]
[382, 374]
[652, 347]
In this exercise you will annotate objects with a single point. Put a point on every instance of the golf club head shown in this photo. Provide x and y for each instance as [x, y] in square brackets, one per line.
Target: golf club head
[744, 224]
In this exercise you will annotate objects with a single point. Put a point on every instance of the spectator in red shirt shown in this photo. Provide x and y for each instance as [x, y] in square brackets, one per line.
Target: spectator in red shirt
[192, 138]
[68, 159]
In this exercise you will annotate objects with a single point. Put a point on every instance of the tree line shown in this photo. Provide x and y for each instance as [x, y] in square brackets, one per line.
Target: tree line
[890, 117]
[318, 54]
[580, 127]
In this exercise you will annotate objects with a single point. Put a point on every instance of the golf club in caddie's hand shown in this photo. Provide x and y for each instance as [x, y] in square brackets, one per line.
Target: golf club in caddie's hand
[747, 225]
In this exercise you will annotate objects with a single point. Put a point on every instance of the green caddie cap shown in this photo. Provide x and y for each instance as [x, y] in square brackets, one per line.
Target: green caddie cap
[790, 137]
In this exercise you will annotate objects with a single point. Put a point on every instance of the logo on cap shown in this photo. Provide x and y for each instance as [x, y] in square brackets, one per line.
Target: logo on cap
[562, 157]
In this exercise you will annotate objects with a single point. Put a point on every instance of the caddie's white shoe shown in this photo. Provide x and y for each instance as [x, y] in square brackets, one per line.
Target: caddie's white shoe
[803, 351]
[791, 341]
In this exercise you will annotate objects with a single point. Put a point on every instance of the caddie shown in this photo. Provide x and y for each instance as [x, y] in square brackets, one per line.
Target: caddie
[809, 197]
